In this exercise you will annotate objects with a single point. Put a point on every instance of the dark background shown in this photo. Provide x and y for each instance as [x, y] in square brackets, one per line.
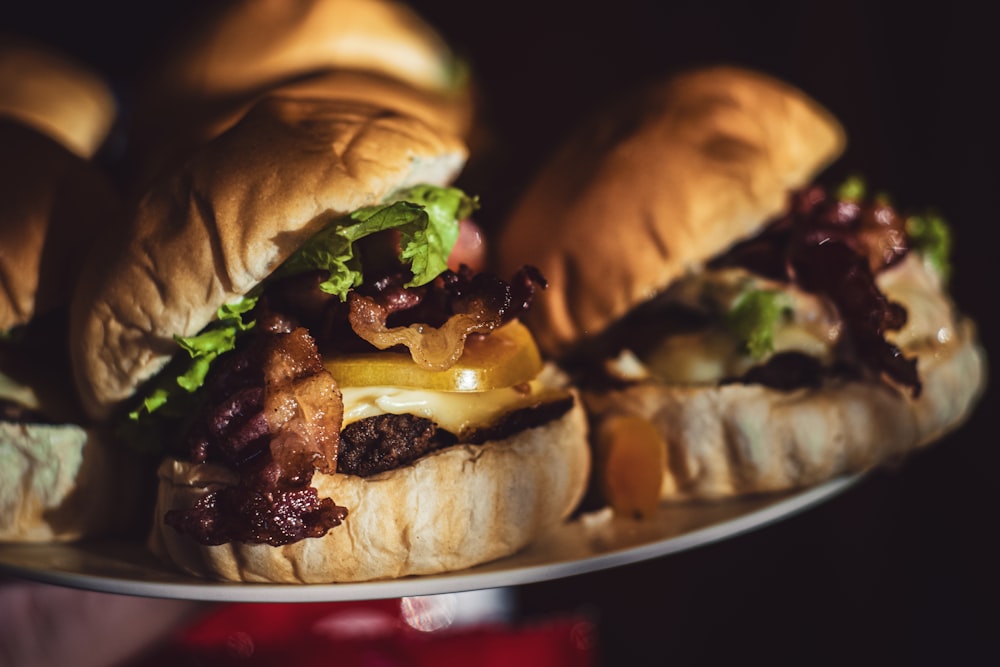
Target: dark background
[902, 568]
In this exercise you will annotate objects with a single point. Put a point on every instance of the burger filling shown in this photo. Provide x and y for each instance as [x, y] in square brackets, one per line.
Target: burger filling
[353, 373]
[838, 286]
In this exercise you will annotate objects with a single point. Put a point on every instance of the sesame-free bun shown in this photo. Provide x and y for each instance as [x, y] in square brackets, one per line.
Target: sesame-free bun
[207, 233]
[242, 45]
[54, 203]
[56, 95]
[655, 186]
[232, 53]
[451, 509]
[451, 115]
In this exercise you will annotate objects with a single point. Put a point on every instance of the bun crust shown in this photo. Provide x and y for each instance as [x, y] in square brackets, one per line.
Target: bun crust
[447, 114]
[735, 142]
[53, 204]
[56, 95]
[253, 45]
[740, 439]
[455, 508]
[239, 51]
[232, 214]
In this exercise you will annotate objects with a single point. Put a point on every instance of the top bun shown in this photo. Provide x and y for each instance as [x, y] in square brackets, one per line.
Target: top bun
[657, 185]
[254, 44]
[236, 52]
[209, 232]
[54, 203]
[55, 95]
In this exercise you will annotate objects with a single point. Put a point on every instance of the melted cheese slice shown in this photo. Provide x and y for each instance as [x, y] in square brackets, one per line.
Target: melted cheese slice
[495, 375]
[455, 411]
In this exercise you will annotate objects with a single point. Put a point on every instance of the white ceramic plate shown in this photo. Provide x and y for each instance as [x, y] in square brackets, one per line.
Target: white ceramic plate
[593, 542]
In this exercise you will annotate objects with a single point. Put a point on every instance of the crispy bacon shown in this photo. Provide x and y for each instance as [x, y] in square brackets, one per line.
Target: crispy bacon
[302, 403]
[434, 326]
[278, 428]
[434, 348]
[835, 248]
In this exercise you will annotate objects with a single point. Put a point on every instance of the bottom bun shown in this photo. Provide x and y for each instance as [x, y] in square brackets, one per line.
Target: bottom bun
[452, 509]
[739, 439]
[61, 482]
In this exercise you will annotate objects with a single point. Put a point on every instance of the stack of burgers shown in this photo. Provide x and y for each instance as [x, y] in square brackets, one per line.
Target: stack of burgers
[291, 319]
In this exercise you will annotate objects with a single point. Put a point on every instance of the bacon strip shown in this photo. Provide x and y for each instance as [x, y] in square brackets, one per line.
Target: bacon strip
[276, 432]
[434, 348]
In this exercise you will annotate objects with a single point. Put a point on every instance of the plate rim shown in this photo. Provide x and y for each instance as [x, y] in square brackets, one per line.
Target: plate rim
[495, 576]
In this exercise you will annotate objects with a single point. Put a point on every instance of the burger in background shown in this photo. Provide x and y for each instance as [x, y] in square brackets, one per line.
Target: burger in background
[224, 57]
[731, 324]
[59, 479]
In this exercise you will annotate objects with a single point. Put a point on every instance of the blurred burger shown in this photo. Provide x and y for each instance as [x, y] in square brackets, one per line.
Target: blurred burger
[736, 327]
[56, 472]
[56, 95]
[333, 402]
[229, 54]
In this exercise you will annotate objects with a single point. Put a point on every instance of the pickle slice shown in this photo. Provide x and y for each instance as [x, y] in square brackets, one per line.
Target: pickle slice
[506, 357]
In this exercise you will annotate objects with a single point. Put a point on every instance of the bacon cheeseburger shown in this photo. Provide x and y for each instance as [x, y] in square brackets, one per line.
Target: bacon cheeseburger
[735, 329]
[336, 403]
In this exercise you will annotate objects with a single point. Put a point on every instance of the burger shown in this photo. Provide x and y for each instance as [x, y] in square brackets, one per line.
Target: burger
[735, 325]
[332, 400]
[56, 95]
[227, 55]
[56, 471]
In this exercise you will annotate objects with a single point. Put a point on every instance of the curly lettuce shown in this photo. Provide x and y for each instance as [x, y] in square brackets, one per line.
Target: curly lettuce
[427, 219]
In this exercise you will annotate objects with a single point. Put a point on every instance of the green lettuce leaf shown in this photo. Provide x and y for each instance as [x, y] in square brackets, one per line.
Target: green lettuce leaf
[931, 237]
[426, 217]
[754, 317]
[203, 348]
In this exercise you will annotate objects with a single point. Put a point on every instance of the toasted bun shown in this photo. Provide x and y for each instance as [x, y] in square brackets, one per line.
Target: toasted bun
[245, 45]
[54, 203]
[451, 115]
[214, 229]
[656, 186]
[55, 95]
[238, 51]
[455, 508]
[738, 439]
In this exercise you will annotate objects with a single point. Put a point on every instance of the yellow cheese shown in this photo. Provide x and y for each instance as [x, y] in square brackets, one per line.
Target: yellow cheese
[495, 375]
[455, 411]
